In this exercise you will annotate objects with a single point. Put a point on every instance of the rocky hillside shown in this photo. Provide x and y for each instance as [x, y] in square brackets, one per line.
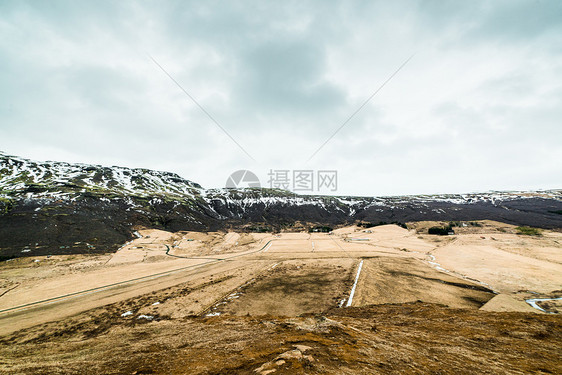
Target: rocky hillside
[54, 207]
[64, 180]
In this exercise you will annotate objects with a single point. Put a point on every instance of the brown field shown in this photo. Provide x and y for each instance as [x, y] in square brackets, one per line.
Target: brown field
[214, 303]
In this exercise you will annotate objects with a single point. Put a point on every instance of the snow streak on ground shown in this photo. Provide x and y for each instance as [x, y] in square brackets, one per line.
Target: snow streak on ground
[533, 303]
[350, 300]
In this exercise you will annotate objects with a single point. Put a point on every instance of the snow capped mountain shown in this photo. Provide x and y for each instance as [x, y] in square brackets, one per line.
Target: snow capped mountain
[45, 179]
[60, 180]
[54, 207]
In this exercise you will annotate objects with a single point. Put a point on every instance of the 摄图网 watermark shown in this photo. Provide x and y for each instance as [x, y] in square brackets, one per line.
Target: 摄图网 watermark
[295, 180]
[303, 180]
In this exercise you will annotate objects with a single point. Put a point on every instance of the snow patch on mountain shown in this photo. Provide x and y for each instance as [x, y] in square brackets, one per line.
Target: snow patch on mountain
[33, 180]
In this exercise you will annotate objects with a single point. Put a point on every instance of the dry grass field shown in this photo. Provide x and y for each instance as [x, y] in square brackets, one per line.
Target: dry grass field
[219, 303]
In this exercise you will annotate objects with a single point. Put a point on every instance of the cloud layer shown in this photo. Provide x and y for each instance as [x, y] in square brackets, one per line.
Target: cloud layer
[478, 107]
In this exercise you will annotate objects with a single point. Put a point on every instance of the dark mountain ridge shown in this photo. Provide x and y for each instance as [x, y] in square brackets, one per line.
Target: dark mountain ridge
[58, 208]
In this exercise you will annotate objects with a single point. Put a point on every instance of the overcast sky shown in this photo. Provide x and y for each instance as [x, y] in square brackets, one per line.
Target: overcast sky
[478, 107]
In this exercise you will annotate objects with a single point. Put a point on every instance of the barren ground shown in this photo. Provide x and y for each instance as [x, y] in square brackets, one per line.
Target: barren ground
[206, 303]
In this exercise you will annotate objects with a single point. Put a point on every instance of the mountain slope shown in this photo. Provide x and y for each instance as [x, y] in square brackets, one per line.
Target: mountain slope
[53, 207]
[47, 179]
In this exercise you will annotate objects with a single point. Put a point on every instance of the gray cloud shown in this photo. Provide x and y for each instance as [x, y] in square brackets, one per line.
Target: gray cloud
[287, 77]
[481, 97]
